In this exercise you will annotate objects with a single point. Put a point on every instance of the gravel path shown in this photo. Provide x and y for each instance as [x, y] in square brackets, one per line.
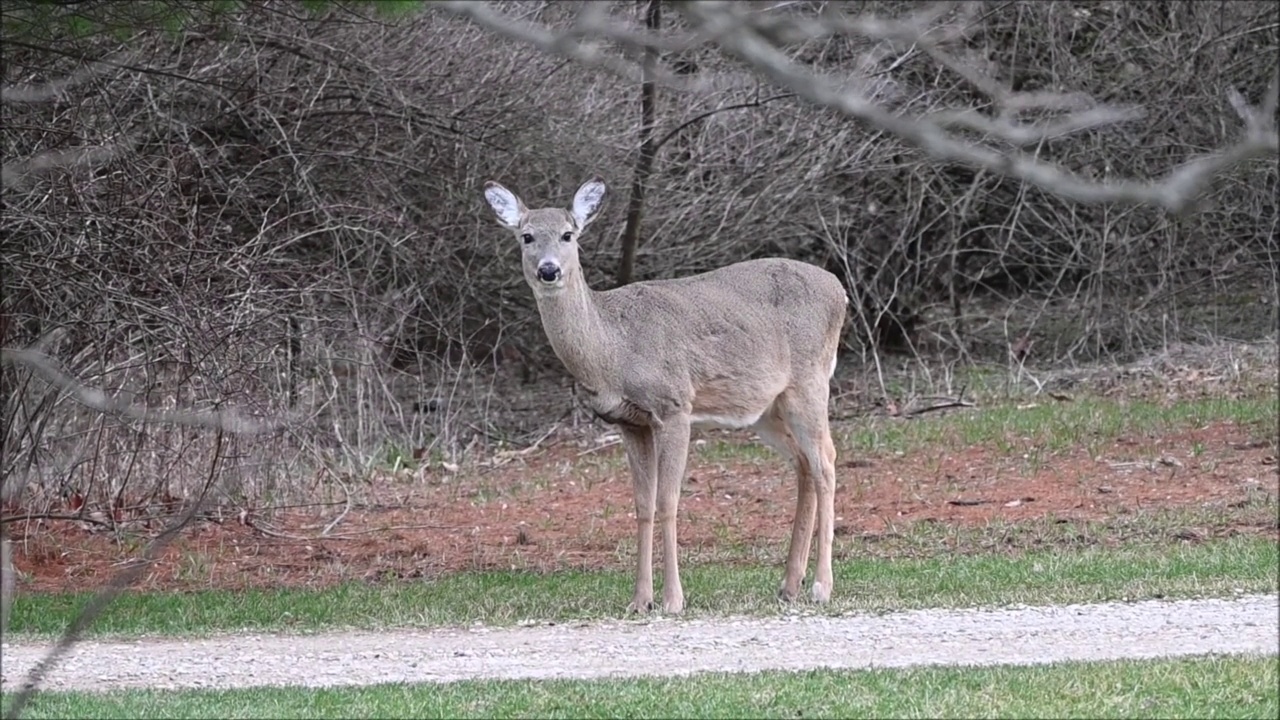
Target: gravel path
[1023, 635]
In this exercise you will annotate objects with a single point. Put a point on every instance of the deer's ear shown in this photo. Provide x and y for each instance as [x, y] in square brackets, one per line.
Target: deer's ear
[505, 204]
[588, 201]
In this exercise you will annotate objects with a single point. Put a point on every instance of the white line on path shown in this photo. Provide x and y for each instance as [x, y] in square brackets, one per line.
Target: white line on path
[1021, 635]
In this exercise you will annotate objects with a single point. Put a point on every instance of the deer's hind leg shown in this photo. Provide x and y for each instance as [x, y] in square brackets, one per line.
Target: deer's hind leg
[774, 431]
[802, 412]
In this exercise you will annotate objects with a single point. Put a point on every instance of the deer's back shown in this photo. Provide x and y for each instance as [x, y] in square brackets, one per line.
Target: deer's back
[757, 311]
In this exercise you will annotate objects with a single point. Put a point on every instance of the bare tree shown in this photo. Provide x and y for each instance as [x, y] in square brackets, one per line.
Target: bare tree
[648, 146]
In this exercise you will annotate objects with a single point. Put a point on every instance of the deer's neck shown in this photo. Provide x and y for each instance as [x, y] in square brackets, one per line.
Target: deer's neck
[577, 331]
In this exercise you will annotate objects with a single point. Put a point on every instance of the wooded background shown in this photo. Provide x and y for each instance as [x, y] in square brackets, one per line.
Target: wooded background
[275, 206]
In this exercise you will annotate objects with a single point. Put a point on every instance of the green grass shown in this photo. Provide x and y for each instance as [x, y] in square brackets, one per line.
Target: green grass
[1044, 423]
[1056, 426]
[1205, 687]
[1219, 567]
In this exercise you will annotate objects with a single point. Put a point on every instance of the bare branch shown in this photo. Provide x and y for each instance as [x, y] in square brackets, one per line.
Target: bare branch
[673, 132]
[103, 598]
[15, 175]
[1175, 192]
[223, 420]
[944, 405]
[1261, 120]
[1025, 136]
[569, 44]
[754, 37]
[56, 89]
[791, 29]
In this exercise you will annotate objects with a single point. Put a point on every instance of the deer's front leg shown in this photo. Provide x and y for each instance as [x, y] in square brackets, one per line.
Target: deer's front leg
[638, 443]
[672, 442]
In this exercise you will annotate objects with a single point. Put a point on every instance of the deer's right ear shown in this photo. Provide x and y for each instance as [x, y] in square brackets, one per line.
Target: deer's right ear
[505, 204]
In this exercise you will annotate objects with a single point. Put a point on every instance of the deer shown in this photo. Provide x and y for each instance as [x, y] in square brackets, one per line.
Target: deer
[751, 345]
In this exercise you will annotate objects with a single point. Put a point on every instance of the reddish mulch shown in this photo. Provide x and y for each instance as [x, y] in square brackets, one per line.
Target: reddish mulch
[561, 508]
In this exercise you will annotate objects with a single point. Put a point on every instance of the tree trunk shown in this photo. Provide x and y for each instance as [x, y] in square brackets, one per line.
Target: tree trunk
[648, 148]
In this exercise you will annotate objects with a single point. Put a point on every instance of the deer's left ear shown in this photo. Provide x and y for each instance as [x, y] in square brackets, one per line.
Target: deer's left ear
[588, 201]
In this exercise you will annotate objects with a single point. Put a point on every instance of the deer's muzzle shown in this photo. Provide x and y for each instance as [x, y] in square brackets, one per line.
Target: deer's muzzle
[548, 272]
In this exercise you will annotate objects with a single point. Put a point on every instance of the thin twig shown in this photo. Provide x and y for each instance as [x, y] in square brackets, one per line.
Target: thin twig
[7, 519]
[346, 509]
[502, 458]
[916, 412]
[601, 446]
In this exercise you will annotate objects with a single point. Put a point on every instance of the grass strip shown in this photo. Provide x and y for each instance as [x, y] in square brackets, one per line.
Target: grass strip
[1215, 568]
[1201, 687]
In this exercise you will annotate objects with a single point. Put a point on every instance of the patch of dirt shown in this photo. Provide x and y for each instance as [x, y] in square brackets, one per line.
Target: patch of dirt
[570, 506]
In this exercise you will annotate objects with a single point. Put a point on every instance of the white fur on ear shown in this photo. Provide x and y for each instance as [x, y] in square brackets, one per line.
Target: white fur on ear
[505, 204]
[587, 201]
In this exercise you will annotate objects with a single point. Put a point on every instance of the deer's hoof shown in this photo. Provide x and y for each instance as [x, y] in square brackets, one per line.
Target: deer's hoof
[821, 593]
[640, 606]
[790, 591]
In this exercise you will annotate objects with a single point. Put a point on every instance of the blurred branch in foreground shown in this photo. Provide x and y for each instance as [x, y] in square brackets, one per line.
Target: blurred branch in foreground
[222, 420]
[15, 174]
[757, 37]
[34, 360]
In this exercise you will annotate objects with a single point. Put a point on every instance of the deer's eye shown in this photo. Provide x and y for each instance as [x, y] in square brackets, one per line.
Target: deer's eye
[527, 238]
[567, 237]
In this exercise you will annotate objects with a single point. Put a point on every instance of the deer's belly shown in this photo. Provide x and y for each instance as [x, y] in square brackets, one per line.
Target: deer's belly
[722, 421]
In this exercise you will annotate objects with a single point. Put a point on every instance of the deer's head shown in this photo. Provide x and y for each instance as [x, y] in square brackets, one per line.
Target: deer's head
[548, 236]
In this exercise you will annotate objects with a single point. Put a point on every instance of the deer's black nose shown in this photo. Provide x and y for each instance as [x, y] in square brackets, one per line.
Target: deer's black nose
[548, 272]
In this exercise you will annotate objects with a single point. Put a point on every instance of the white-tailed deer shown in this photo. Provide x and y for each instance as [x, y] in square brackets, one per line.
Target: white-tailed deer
[751, 345]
